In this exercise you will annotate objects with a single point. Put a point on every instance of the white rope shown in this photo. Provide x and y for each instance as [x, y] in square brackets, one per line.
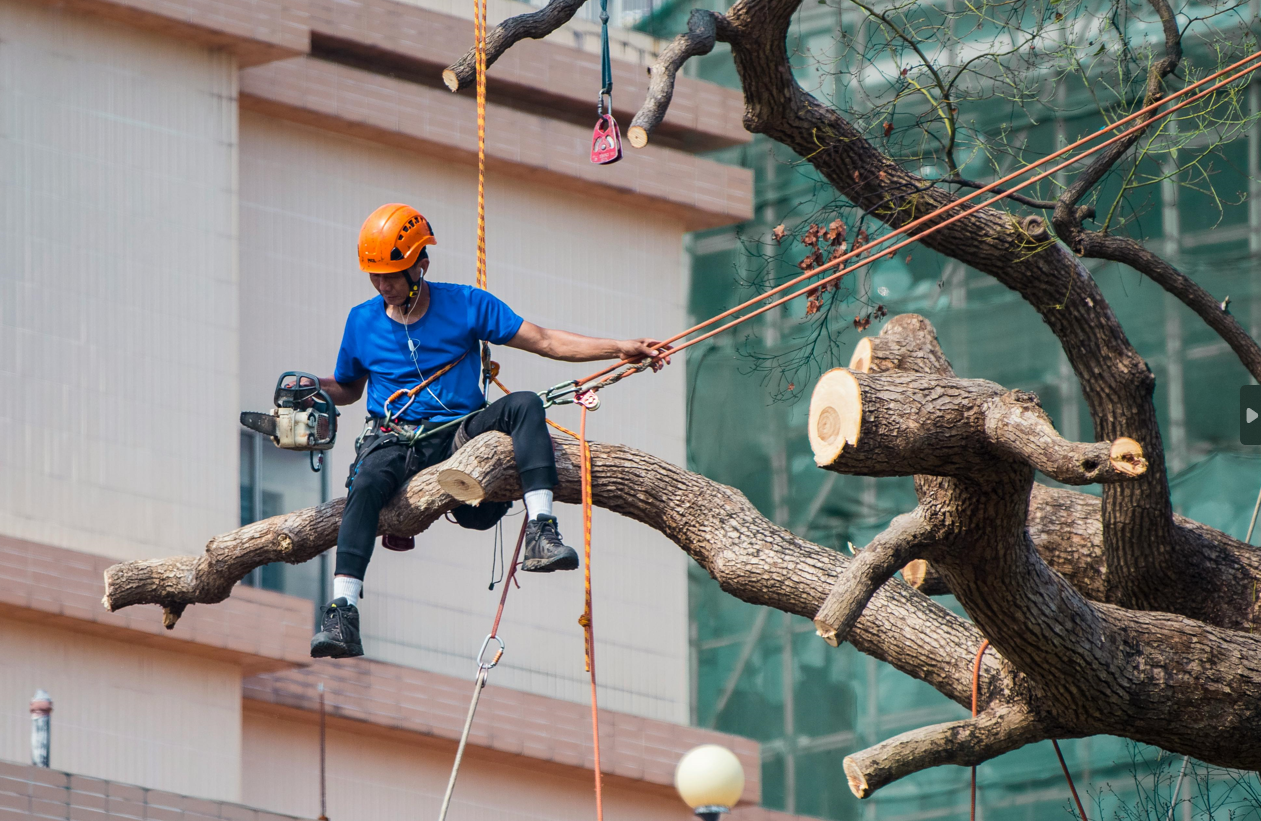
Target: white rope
[459, 752]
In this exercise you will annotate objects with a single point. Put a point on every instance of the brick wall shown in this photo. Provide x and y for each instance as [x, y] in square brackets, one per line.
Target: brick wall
[28, 792]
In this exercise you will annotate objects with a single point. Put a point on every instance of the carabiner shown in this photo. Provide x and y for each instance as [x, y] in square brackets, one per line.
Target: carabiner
[556, 394]
[482, 664]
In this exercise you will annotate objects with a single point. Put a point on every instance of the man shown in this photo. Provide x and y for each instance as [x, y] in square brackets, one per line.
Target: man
[413, 333]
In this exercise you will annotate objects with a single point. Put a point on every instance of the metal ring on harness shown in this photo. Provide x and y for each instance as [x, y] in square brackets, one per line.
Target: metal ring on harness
[482, 664]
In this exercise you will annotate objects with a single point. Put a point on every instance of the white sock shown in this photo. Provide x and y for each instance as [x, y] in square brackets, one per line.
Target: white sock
[536, 502]
[348, 588]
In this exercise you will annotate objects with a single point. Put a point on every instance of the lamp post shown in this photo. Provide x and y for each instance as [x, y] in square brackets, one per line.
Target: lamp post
[41, 713]
[710, 779]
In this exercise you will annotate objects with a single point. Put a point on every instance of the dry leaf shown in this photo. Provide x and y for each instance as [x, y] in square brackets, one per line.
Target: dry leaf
[778, 232]
[813, 302]
[835, 232]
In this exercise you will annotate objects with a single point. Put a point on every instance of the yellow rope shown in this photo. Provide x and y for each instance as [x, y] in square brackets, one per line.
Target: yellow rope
[479, 33]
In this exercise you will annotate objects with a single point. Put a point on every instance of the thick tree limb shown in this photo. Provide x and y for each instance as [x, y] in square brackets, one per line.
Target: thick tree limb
[1147, 566]
[1074, 669]
[907, 342]
[900, 424]
[1077, 652]
[905, 538]
[703, 28]
[962, 743]
[1132, 253]
[534, 25]
[918, 573]
[1066, 526]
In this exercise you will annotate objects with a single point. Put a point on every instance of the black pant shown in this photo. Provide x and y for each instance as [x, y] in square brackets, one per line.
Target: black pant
[385, 464]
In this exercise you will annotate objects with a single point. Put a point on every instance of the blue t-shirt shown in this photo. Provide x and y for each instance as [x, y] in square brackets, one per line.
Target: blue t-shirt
[458, 317]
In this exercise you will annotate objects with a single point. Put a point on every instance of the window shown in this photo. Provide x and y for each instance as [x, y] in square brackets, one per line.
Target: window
[275, 481]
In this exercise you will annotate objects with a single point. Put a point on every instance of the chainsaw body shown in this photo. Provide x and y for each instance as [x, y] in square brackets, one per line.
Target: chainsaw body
[304, 417]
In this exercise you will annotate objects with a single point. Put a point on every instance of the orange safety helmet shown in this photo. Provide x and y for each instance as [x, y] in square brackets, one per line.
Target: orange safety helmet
[392, 238]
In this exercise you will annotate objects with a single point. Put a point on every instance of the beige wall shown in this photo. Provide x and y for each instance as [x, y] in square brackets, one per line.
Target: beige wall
[131, 714]
[371, 777]
[118, 364]
[560, 260]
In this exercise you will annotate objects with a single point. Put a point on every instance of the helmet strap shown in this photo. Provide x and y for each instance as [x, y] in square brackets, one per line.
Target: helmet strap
[413, 287]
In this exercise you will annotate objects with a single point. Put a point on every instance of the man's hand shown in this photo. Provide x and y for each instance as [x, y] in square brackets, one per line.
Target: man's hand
[569, 347]
[646, 349]
[343, 394]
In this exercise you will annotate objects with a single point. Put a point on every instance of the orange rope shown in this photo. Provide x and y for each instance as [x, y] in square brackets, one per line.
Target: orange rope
[878, 253]
[976, 682]
[976, 686]
[585, 619]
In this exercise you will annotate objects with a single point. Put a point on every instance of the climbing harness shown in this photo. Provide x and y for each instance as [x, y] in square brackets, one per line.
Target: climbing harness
[304, 417]
[483, 670]
[606, 139]
[976, 685]
[410, 435]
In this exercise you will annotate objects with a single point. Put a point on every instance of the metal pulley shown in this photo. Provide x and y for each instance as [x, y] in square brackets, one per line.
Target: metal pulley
[606, 139]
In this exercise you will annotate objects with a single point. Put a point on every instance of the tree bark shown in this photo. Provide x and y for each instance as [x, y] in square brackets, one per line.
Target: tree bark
[533, 25]
[1063, 668]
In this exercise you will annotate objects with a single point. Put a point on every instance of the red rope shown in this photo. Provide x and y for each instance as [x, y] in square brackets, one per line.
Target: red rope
[976, 681]
[1071, 785]
[876, 254]
[976, 686]
[508, 580]
[585, 620]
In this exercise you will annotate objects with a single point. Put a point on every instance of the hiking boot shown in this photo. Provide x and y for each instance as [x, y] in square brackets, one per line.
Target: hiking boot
[544, 551]
[339, 634]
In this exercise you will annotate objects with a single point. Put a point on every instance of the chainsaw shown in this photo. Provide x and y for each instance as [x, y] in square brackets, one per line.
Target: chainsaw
[304, 417]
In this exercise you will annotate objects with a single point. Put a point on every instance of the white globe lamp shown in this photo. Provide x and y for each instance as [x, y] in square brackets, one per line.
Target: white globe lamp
[710, 779]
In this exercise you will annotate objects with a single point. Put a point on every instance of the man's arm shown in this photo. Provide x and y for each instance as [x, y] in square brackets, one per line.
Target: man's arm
[343, 394]
[570, 347]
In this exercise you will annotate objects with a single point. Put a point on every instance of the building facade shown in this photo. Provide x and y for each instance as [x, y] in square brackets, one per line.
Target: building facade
[181, 187]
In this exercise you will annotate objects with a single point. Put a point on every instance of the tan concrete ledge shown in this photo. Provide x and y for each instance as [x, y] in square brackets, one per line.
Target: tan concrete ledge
[406, 40]
[257, 31]
[259, 630]
[700, 193]
[401, 701]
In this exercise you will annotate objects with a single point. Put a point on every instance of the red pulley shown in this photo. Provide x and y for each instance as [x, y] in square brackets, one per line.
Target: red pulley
[606, 141]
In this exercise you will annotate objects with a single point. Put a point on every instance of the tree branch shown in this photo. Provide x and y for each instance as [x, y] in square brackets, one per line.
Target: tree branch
[1065, 208]
[703, 28]
[900, 424]
[534, 25]
[1041, 205]
[905, 538]
[962, 743]
[1132, 253]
